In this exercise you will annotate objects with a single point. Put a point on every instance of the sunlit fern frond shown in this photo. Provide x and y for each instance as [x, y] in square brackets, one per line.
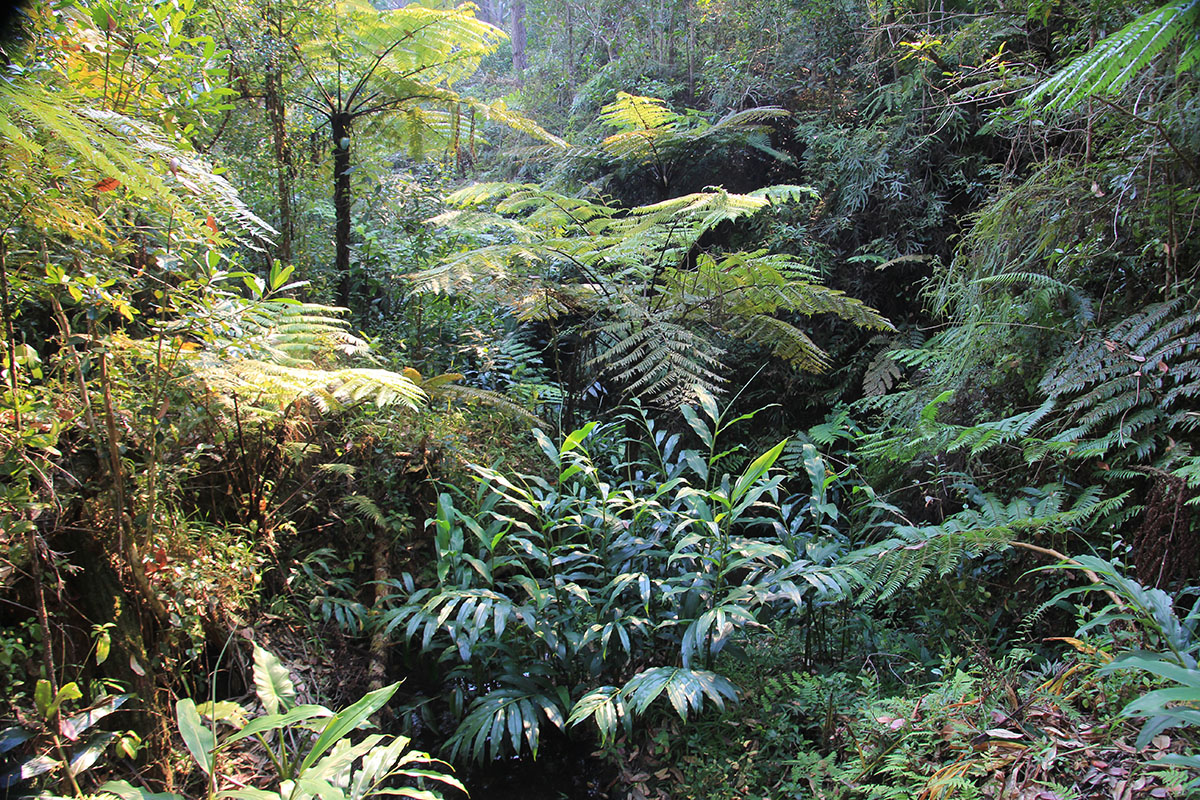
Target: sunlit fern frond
[813, 298]
[446, 386]
[469, 395]
[786, 341]
[649, 129]
[655, 359]
[431, 46]
[271, 354]
[1112, 64]
[90, 146]
[498, 111]
[640, 283]
[631, 112]
[271, 387]
[365, 509]
[500, 267]
[476, 194]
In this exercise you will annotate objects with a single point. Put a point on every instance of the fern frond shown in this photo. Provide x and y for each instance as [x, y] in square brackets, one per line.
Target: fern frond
[1129, 387]
[659, 361]
[1109, 66]
[366, 509]
[786, 341]
[89, 145]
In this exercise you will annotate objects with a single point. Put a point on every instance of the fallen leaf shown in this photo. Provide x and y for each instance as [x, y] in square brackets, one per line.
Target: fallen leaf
[1001, 733]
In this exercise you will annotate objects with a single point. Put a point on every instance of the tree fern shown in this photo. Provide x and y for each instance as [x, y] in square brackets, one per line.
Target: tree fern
[75, 143]
[272, 353]
[633, 280]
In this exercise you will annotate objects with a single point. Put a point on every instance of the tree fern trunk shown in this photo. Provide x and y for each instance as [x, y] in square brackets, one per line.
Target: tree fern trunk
[340, 126]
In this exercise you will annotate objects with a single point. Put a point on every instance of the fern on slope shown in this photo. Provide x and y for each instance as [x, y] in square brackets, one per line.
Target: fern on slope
[914, 554]
[1128, 390]
[272, 353]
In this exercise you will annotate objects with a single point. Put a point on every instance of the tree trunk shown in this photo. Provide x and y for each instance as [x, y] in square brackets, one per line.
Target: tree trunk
[488, 12]
[283, 161]
[381, 557]
[519, 40]
[340, 126]
[570, 54]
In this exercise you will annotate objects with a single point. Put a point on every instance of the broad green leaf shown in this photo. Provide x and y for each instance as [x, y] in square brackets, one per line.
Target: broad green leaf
[250, 794]
[127, 791]
[14, 737]
[755, 471]
[275, 689]
[547, 446]
[224, 711]
[42, 697]
[312, 787]
[85, 757]
[708, 403]
[103, 646]
[574, 438]
[347, 720]
[276, 721]
[199, 739]
[1163, 669]
[698, 425]
[78, 723]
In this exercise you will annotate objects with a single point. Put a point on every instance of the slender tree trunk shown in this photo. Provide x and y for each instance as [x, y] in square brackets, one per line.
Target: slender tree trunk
[519, 41]
[488, 12]
[283, 161]
[340, 125]
[569, 56]
[381, 557]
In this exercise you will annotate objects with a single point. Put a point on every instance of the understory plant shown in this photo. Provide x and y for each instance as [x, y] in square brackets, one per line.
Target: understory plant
[309, 747]
[1156, 634]
[588, 596]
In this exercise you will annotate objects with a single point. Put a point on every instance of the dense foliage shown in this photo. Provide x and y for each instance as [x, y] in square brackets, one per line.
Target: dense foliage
[745, 398]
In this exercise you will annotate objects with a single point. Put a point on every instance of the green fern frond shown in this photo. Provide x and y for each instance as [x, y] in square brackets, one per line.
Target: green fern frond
[915, 554]
[632, 278]
[881, 374]
[786, 341]
[630, 112]
[471, 394]
[1110, 66]
[1131, 386]
[366, 509]
[90, 145]
[659, 361]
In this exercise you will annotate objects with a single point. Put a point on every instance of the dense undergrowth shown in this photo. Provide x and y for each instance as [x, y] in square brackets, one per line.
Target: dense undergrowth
[649, 399]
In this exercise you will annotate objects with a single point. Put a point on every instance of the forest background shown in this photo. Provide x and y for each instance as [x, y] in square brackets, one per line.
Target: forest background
[664, 398]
